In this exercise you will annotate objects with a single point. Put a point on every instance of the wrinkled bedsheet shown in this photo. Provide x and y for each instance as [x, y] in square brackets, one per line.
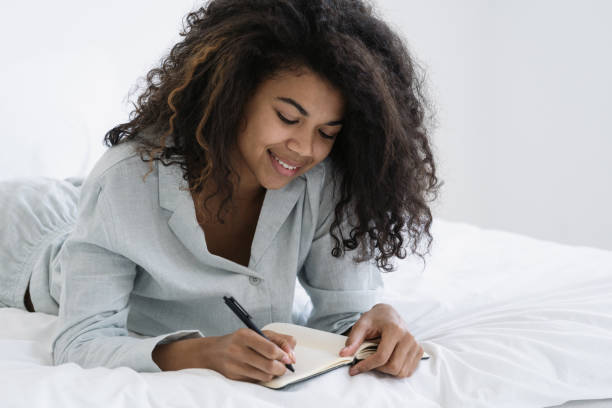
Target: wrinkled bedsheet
[510, 321]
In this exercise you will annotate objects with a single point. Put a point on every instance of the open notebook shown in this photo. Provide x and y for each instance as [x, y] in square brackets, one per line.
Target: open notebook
[316, 352]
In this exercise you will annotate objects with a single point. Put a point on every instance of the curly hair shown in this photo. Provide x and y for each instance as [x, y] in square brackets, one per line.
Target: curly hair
[382, 154]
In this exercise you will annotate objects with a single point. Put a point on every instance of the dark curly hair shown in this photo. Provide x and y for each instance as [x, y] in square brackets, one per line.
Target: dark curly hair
[197, 96]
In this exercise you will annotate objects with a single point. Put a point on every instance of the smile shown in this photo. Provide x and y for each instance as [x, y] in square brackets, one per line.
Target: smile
[283, 163]
[282, 167]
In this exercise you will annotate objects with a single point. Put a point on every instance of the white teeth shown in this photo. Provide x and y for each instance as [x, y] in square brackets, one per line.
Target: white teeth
[285, 165]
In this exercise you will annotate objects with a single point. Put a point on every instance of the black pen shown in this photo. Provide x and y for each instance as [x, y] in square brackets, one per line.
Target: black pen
[246, 318]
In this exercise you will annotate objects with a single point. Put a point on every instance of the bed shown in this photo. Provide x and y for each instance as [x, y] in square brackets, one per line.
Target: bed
[510, 321]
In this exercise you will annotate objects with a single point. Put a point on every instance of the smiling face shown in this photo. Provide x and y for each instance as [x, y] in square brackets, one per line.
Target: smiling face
[293, 118]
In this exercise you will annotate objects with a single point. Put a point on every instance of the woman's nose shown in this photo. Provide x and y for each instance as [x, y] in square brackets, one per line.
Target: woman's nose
[302, 144]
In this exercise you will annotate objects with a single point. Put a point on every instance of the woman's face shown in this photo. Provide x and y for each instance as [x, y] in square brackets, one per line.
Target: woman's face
[293, 118]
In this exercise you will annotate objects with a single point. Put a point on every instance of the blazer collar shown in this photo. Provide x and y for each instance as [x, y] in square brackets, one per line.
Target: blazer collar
[175, 197]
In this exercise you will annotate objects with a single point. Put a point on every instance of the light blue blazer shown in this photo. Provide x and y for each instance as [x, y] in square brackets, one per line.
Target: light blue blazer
[137, 259]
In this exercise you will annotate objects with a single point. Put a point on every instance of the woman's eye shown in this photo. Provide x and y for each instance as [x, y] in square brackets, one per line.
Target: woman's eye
[291, 122]
[325, 135]
[284, 119]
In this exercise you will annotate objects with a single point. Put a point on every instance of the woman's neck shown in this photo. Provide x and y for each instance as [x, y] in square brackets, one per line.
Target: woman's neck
[242, 204]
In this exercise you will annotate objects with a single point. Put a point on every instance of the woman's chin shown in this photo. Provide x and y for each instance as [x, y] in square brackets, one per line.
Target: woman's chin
[275, 185]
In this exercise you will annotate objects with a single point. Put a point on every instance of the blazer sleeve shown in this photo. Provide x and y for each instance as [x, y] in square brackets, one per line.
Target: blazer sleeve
[96, 285]
[340, 289]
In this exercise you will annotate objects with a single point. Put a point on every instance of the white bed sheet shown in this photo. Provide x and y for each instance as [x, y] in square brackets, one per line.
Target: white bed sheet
[510, 321]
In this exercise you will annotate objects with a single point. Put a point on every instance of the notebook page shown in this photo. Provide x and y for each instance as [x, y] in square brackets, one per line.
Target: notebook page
[309, 361]
[315, 351]
[313, 338]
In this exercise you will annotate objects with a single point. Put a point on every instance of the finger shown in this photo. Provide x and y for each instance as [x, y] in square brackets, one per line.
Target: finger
[268, 348]
[355, 339]
[411, 362]
[406, 369]
[417, 360]
[403, 352]
[264, 364]
[254, 374]
[284, 341]
[389, 339]
[290, 339]
[240, 371]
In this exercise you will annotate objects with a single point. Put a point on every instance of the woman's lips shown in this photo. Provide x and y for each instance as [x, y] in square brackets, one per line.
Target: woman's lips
[279, 167]
[289, 162]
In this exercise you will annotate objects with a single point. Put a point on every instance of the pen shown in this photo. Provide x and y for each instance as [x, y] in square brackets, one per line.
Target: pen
[246, 318]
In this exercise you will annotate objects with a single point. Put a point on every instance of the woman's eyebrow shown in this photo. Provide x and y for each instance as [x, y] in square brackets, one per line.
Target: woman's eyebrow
[303, 111]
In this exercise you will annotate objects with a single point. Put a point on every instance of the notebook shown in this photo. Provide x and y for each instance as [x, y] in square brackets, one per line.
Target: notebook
[316, 352]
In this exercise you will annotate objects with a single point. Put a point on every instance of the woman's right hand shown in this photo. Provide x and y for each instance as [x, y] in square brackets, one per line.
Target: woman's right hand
[243, 355]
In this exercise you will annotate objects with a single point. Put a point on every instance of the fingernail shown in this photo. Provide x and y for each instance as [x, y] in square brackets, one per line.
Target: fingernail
[292, 355]
[353, 371]
[286, 359]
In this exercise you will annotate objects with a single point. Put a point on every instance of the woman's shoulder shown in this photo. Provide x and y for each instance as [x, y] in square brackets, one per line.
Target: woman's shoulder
[117, 183]
[119, 177]
[119, 163]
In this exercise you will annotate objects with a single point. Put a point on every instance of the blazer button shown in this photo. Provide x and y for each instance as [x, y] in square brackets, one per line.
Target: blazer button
[254, 280]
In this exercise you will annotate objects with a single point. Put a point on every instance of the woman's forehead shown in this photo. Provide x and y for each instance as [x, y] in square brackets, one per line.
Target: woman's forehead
[310, 92]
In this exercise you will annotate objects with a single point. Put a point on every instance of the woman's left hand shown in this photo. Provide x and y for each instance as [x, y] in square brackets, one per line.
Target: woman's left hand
[398, 352]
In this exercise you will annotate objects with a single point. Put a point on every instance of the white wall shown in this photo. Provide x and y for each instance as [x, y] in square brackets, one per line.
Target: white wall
[66, 68]
[522, 89]
[524, 94]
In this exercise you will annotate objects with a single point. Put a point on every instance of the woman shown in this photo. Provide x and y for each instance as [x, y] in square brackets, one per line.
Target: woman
[276, 136]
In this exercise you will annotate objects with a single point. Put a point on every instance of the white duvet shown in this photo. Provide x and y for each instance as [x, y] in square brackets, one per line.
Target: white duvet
[509, 321]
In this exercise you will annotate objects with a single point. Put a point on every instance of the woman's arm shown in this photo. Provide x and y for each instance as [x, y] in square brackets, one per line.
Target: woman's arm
[96, 285]
[180, 354]
[340, 289]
